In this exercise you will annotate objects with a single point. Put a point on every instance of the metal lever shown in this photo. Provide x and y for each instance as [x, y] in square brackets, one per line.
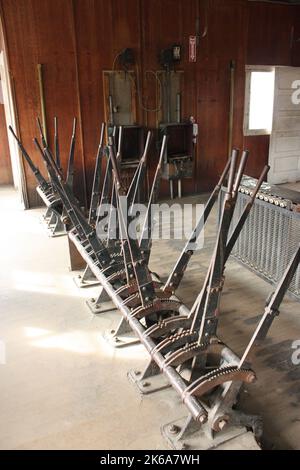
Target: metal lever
[232, 169]
[115, 165]
[56, 144]
[70, 171]
[45, 146]
[240, 172]
[40, 179]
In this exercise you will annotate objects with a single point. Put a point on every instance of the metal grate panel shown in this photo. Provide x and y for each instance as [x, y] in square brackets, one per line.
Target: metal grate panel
[268, 240]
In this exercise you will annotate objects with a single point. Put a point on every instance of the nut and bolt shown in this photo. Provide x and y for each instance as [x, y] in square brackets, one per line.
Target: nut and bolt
[252, 378]
[174, 429]
[202, 419]
[222, 423]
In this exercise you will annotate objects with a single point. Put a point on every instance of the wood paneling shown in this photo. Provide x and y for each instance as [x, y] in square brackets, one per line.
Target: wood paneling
[76, 39]
[6, 176]
[40, 31]
[270, 33]
[225, 41]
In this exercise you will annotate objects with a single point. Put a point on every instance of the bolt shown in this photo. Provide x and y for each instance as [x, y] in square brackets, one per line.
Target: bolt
[112, 331]
[252, 378]
[143, 288]
[184, 446]
[79, 276]
[93, 301]
[222, 423]
[146, 299]
[146, 384]
[137, 372]
[174, 429]
[202, 418]
[117, 340]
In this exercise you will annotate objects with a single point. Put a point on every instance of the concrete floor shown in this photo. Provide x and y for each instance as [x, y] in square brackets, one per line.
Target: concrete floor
[63, 387]
[293, 186]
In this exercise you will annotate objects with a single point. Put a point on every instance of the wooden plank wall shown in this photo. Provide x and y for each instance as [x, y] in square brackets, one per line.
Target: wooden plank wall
[77, 39]
[6, 176]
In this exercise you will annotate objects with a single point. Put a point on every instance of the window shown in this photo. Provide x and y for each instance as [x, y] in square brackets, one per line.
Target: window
[259, 97]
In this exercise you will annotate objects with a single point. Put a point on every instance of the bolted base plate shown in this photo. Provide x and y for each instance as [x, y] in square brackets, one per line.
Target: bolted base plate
[52, 234]
[80, 283]
[120, 341]
[230, 438]
[53, 230]
[96, 308]
[148, 385]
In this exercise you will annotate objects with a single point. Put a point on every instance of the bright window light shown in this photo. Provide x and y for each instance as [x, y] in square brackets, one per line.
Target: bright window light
[261, 100]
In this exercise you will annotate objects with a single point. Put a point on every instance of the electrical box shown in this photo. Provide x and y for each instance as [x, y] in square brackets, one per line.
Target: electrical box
[120, 107]
[169, 57]
[169, 94]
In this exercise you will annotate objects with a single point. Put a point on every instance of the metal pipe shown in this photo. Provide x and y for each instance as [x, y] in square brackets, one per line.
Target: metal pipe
[240, 172]
[196, 409]
[171, 189]
[179, 188]
[111, 110]
[120, 140]
[42, 98]
[232, 169]
[231, 105]
[56, 144]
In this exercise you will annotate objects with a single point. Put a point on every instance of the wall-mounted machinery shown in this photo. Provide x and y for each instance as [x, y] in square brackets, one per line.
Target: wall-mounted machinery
[120, 110]
[179, 153]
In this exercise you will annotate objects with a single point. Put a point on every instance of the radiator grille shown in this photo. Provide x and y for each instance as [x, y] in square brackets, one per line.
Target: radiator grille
[268, 240]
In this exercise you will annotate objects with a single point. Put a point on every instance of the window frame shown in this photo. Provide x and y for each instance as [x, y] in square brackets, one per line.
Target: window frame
[248, 70]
